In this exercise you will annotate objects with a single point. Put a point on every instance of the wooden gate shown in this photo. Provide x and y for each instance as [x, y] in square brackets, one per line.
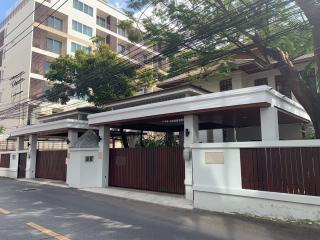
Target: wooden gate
[22, 164]
[152, 169]
[52, 165]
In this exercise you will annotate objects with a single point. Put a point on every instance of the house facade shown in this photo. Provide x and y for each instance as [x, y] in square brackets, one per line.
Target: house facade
[37, 32]
[265, 177]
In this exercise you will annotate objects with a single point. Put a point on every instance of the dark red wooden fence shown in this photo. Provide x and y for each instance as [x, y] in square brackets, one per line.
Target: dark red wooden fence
[153, 169]
[52, 165]
[285, 170]
[5, 161]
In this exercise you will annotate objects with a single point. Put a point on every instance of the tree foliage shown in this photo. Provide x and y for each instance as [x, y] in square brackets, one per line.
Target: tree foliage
[98, 77]
[216, 30]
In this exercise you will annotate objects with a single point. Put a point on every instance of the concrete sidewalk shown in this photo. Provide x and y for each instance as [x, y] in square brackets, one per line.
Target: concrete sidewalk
[168, 200]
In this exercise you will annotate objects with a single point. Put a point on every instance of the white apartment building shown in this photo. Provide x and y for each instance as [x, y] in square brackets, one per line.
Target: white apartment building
[36, 32]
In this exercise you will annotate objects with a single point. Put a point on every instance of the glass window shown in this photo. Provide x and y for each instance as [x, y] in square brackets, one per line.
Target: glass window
[79, 27]
[55, 22]
[47, 66]
[225, 85]
[83, 7]
[54, 46]
[76, 47]
[122, 32]
[121, 48]
[101, 21]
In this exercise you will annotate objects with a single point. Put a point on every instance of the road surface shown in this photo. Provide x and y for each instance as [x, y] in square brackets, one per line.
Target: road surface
[30, 211]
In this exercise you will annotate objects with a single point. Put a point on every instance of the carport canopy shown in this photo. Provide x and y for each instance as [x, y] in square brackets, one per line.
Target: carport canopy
[230, 109]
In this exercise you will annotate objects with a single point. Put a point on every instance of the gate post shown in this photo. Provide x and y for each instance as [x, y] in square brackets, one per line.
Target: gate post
[191, 135]
[32, 157]
[14, 162]
[104, 134]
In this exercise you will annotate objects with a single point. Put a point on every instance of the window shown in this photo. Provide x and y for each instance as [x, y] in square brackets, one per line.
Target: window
[261, 81]
[282, 86]
[79, 27]
[122, 32]
[101, 21]
[121, 48]
[89, 158]
[2, 38]
[54, 46]
[55, 22]
[77, 47]
[108, 22]
[47, 66]
[1, 57]
[83, 7]
[225, 85]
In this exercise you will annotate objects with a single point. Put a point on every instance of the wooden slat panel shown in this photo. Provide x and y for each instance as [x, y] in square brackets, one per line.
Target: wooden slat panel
[5, 161]
[51, 165]
[153, 169]
[286, 170]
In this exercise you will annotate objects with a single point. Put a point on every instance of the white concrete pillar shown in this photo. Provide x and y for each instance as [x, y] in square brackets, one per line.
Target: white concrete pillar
[269, 124]
[20, 143]
[218, 135]
[191, 135]
[104, 133]
[72, 138]
[14, 158]
[32, 157]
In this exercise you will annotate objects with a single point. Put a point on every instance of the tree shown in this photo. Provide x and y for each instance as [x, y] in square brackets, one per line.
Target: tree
[97, 77]
[265, 30]
[2, 129]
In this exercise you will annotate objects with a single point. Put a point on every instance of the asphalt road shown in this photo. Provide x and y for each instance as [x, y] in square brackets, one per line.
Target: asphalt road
[29, 211]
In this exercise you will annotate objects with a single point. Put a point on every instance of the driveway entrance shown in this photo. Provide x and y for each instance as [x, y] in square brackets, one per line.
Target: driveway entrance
[153, 169]
[51, 165]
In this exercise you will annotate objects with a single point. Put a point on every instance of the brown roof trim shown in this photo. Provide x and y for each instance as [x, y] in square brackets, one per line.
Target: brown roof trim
[167, 90]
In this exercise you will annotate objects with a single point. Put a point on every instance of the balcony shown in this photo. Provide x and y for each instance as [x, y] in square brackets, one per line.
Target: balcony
[107, 39]
[51, 44]
[40, 63]
[107, 21]
[56, 21]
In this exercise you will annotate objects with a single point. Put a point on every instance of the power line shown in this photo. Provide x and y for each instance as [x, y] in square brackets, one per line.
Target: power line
[13, 40]
[235, 49]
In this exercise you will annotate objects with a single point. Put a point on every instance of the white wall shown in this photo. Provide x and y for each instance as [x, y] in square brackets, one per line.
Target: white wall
[217, 186]
[82, 174]
[16, 59]
[11, 172]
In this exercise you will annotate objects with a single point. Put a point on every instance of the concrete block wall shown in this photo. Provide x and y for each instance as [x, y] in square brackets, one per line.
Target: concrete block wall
[217, 184]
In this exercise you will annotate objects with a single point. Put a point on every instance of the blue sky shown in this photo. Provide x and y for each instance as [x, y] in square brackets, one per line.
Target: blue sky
[6, 5]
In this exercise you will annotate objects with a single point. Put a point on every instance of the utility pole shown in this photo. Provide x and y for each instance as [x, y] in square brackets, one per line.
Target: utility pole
[16, 92]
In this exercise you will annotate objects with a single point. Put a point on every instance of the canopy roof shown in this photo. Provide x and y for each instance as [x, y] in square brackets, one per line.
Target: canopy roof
[231, 108]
